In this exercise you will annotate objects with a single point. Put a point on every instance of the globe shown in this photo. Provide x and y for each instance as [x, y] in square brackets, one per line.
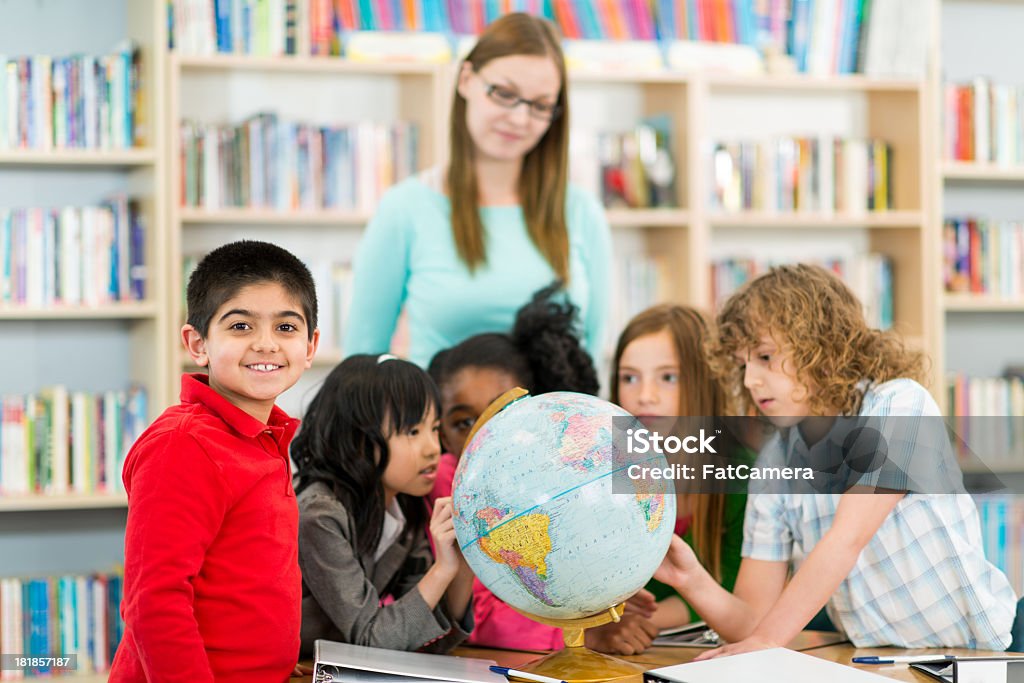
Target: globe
[537, 519]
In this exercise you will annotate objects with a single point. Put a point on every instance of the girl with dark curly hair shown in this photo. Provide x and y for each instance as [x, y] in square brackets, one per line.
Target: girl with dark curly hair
[542, 353]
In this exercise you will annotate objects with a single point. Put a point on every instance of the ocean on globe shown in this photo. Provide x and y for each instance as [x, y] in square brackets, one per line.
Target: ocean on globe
[536, 517]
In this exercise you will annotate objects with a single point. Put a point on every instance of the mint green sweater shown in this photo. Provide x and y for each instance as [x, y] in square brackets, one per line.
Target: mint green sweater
[407, 257]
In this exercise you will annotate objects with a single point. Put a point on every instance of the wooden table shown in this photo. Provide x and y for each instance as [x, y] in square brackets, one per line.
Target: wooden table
[665, 656]
[810, 642]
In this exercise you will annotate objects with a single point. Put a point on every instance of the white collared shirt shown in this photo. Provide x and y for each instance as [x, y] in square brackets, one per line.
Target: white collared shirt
[394, 523]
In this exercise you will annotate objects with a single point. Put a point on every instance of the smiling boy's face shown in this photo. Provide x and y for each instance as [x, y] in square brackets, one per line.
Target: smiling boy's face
[257, 346]
[770, 377]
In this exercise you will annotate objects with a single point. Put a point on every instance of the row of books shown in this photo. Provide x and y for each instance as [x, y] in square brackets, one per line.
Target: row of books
[74, 256]
[57, 441]
[315, 27]
[823, 174]
[870, 276]
[638, 286]
[333, 282]
[989, 418]
[1002, 534]
[983, 257]
[75, 102]
[823, 36]
[267, 162]
[984, 121]
[634, 169]
[60, 616]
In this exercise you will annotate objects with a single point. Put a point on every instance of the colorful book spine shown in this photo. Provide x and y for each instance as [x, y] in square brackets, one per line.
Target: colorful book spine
[870, 276]
[824, 175]
[61, 616]
[635, 169]
[269, 163]
[78, 102]
[982, 122]
[70, 257]
[1002, 531]
[983, 257]
[58, 442]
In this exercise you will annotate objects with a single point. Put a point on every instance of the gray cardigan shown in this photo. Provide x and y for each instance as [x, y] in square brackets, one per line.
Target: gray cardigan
[341, 592]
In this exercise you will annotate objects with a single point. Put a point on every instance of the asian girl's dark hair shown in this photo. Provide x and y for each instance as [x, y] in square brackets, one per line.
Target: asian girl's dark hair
[343, 441]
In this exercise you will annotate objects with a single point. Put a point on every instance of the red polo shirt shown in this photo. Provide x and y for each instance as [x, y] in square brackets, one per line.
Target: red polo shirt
[212, 588]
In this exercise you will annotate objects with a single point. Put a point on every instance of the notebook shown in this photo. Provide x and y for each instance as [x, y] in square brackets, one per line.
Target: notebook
[336, 662]
[777, 665]
[696, 634]
[974, 670]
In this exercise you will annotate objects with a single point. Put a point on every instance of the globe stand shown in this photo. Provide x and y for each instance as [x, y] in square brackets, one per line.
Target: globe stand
[576, 663]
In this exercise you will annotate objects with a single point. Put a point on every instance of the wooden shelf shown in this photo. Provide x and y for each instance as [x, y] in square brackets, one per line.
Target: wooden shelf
[127, 311]
[647, 218]
[879, 219]
[307, 65]
[261, 216]
[971, 170]
[637, 76]
[980, 303]
[64, 502]
[111, 158]
[852, 83]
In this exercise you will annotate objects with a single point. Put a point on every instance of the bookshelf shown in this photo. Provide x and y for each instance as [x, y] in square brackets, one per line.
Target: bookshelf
[78, 158]
[981, 172]
[979, 333]
[93, 348]
[682, 240]
[226, 89]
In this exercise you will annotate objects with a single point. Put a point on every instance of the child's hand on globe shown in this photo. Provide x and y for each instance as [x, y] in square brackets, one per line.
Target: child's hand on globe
[442, 530]
[679, 563]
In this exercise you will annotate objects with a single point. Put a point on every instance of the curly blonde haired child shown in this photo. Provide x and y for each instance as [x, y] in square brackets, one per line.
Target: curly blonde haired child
[830, 344]
[895, 567]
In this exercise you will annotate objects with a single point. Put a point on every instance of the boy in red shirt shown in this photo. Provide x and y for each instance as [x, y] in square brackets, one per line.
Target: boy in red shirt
[212, 587]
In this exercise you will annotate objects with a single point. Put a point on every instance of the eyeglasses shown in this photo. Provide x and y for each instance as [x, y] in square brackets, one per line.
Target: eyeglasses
[510, 99]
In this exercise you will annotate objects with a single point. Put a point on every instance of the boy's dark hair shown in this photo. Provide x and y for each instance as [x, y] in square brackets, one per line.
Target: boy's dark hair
[229, 269]
[542, 353]
[343, 441]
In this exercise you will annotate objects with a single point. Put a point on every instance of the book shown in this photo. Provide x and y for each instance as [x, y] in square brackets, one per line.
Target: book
[775, 665]
[969, 669]
[345, 662]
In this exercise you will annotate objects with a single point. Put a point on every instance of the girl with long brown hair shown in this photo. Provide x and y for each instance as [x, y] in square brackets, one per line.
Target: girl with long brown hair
[659, 372]
[462, 248]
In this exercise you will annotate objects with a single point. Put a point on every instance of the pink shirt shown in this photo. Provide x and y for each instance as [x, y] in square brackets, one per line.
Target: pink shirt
[497, 624]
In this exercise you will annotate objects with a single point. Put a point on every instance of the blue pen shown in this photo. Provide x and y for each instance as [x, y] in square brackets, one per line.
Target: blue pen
[901, 660]
[524, 675]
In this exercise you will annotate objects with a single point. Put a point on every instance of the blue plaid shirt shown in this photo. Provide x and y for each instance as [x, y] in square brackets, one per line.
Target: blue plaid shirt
[921, 581]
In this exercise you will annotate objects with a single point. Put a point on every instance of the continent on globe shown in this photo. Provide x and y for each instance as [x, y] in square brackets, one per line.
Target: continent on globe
[522, 544]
